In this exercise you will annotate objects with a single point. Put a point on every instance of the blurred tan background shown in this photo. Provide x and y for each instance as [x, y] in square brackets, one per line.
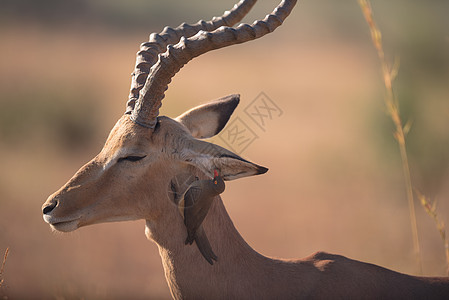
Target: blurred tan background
[335, 181]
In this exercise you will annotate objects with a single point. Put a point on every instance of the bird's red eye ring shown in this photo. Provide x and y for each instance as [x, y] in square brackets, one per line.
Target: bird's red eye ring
[215, 182]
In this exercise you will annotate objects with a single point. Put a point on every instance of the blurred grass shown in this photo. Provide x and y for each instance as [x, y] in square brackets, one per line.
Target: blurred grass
[2, 276]
[401, 130]
[333, 184]
[431, 210]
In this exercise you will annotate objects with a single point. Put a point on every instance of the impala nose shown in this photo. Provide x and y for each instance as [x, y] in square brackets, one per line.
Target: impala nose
[48, 208]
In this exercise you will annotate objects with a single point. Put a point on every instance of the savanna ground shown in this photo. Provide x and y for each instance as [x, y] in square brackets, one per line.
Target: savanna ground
[335, 181]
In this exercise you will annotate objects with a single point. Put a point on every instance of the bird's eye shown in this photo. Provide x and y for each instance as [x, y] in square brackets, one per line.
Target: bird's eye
[131, 158]
[215, 182]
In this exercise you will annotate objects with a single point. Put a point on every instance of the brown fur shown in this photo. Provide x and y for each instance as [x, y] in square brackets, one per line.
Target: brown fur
[105, 190]
[131, 178]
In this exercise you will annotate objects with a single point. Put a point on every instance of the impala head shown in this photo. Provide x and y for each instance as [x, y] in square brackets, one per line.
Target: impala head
[130, 177]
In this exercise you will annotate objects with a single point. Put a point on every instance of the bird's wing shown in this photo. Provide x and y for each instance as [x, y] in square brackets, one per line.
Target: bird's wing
[204, 246]
[197, 204]
[192, 194]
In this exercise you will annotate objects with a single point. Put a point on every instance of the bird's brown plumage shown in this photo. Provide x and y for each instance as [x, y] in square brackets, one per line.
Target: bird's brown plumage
[197, 201]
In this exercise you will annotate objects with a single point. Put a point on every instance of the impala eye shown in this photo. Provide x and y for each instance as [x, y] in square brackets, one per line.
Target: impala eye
[131, 158]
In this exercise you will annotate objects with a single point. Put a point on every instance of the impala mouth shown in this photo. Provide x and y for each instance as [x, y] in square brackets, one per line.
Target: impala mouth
[62, 225]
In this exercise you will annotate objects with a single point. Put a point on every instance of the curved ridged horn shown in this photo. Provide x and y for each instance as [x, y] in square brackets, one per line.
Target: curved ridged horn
[147, 55]
[169, 63]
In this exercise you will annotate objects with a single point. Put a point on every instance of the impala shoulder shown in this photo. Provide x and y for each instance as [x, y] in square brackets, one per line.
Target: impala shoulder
[324, 261]
[325, 256]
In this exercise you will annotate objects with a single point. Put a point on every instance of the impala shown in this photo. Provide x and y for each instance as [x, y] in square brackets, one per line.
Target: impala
[149, 162]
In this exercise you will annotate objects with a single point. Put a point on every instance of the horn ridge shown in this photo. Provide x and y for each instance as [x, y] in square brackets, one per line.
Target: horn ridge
[176, 56]
[148, 53]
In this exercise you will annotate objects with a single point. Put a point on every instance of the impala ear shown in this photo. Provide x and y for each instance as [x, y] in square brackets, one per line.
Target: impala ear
[209, 157]
[207, 120]
[231, 168]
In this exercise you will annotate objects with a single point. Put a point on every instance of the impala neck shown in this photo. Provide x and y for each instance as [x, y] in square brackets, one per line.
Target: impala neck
[185, 267]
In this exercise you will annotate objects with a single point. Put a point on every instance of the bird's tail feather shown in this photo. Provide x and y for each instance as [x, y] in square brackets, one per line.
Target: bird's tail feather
[204, 246]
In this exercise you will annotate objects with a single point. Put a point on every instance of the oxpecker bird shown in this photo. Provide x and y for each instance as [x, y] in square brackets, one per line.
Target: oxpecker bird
[197, 201]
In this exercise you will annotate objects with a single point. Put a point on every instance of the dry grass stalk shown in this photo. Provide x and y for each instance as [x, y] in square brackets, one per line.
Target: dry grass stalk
[431, 210]
[3, 267]
[393, 110]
